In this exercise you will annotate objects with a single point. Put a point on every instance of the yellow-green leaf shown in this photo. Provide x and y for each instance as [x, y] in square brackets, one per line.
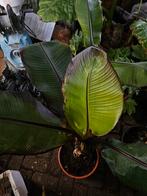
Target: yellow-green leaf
[92, 93]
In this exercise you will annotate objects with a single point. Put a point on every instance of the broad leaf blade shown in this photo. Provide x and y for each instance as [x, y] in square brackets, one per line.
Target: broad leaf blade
[90, 17]
[57, 10]
[23, 127]
[46, 64]
[133, 74]
[92, 93]
[128, 162]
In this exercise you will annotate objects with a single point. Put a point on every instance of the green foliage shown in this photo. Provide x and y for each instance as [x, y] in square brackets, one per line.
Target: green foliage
[92, 93]
[90, 16]
[139, 30]
[76, 41]
[46, 64]
[26, 126]
[139, 52]
[88, 13]
[120, 54]
[87, 86]
[128, 162]
[129, 106]
[132, 74]
[129, 102]
[57, 10]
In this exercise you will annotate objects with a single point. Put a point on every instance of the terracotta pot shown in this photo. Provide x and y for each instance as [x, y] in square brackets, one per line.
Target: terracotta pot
[77, 177]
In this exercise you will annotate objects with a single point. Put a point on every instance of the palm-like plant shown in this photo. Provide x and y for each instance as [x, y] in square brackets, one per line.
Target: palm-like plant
[84, 92]
[83, 99]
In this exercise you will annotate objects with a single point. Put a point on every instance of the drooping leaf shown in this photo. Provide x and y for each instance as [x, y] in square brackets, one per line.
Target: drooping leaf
[26, 126]
[46, 64]
[139, 30]
[90, 16]
[139, 52]
[57, 10]
[133, 74]
[92, 93]
[128, 162]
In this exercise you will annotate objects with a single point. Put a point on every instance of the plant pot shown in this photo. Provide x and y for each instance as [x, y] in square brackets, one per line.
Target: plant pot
[65, 161]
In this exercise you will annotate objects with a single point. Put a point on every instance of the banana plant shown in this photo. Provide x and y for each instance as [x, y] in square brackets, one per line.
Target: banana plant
[88, 13]
[57, 10]
[90, 16]
[90, 105]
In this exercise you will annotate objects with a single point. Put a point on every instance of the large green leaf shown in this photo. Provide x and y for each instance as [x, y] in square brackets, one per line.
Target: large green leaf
[133, 74]
[92, 93]
[46, 64]
[26, 126]
[139, 30]
[57, 10]
[128, 162]
[90, 16]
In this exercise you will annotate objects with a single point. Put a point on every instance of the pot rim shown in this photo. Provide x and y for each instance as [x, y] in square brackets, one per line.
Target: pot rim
[78, 177]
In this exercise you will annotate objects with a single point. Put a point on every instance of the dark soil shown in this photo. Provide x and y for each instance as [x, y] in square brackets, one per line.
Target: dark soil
[78, 166]
[135, 134]
[141, 108]
[134, 128]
